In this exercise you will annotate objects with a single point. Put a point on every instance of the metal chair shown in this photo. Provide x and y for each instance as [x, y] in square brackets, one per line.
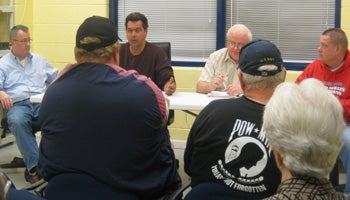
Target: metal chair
[37, 188]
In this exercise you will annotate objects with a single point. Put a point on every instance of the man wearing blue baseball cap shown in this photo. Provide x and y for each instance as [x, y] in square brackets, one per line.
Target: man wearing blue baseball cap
[227, 154]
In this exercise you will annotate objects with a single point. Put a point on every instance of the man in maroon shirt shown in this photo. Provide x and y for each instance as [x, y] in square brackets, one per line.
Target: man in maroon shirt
[144, 57]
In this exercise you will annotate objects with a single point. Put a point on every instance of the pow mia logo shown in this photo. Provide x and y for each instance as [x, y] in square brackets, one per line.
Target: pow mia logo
[245, 159]
[236, 155]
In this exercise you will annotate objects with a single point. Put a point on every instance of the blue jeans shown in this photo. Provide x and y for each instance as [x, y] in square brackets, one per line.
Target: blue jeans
[345, 157]
[19, 119]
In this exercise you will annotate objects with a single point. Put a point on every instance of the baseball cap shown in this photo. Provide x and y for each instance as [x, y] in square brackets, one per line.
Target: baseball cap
[257, 53]
[99, 27]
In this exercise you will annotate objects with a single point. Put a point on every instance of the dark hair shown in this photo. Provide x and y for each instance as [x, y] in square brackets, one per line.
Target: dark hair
[14, 30]
[337, 36]
[136, 16]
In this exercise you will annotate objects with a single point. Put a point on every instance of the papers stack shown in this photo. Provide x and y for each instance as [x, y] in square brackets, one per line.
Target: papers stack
[218, 94]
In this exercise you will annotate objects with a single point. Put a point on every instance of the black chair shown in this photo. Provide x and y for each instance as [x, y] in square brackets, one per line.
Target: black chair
[4, 127]
[5, 131]
[179, 194]
[334, 175]
[166, 46]
[16, 161]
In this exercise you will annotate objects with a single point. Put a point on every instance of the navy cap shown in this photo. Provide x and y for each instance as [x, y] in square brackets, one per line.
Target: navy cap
[99, 27]
[258, 53]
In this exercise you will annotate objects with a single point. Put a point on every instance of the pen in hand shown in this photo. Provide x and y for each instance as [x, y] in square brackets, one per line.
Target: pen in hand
[223, 81]
[224, 85]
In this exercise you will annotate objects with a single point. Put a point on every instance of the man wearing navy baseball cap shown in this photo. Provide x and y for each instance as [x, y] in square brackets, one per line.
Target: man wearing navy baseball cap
[259, 53]
[240, 163]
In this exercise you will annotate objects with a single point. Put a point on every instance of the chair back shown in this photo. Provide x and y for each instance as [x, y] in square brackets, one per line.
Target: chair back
[166, 46]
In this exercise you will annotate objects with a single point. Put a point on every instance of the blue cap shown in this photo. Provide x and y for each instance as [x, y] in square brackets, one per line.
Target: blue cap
[257, 53]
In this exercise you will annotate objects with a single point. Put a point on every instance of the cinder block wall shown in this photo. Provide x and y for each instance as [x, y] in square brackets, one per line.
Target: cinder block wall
[53, 25]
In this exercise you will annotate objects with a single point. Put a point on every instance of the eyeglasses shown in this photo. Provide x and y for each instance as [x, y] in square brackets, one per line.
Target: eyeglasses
[28, 40]
[234, 44]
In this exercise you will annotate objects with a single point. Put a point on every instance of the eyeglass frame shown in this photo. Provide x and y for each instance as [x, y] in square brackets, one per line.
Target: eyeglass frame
[24, 41]
[234, 44]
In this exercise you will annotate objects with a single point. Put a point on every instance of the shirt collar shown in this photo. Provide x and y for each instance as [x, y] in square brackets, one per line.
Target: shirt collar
[29, 57]
[227, 57]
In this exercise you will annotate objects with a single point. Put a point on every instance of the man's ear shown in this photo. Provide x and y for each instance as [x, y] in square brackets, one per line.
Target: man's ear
[285, 73]
[116, 58]
[338, 48]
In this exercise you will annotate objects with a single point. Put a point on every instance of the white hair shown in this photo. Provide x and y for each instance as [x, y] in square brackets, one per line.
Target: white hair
[305, 124]
[240, 27]
[261, 82]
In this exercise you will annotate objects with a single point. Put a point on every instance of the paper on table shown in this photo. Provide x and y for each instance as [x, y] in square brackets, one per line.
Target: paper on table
[218, 94]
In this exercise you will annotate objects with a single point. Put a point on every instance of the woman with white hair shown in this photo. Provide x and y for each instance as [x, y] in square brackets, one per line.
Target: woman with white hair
[304, 124]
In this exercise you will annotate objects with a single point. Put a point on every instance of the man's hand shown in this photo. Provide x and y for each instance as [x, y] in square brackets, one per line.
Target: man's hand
[216, 82]
[170, 86]
[234, 89]
[6, 100]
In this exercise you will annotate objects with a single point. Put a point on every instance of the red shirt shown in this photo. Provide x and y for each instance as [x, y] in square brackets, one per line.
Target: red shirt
[338, 81]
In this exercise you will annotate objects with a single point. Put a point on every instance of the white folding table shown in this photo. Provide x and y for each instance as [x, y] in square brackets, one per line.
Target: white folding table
[185, 101]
